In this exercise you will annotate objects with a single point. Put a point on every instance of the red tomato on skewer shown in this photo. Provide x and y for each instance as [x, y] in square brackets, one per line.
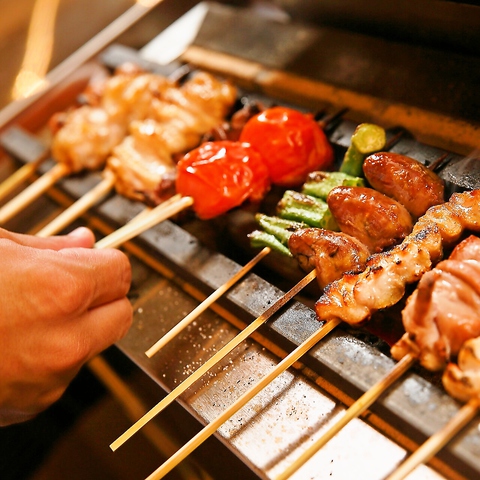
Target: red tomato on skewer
[291, 143]
[222, 175]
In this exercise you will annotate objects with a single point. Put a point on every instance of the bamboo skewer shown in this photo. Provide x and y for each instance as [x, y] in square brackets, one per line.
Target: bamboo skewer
[144, 222]
[437, 441]
[19, 176]
[80, 206]
[33, 191]
[206, 303]
[355, 410]
[213, 361]
[245, 398]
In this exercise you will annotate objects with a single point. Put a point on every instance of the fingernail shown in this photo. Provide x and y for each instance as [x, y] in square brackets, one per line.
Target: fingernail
[78, 232]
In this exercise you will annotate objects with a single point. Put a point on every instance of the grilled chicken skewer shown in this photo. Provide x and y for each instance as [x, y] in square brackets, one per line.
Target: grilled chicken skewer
[84, 136]
[449, 326]
[284, 365]
[207, 431]
[138, 114]
[439, 317]
[141, 167]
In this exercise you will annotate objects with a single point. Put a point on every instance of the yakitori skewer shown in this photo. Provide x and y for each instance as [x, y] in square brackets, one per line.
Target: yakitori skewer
[366, 139]
[408, 353]
[136, 113]
[83, 138]
[221, 354]
[141, 166]
[462, 381]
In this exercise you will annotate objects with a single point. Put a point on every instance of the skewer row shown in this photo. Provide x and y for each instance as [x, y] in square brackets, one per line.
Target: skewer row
[149, 221]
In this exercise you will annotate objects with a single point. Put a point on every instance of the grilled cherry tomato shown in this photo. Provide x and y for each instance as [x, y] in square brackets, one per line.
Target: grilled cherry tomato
[222, 175]
[291, 143]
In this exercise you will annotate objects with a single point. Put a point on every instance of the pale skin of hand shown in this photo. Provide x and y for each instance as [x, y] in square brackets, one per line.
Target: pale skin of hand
[61, 303]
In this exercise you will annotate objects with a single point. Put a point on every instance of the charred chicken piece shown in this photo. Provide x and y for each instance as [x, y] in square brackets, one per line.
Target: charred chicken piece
[376, 220]
[444, 310]
[330, 253]
[141, 162]
[406, 180]
[180, 119]
[196, 107]
[84, 137]
[462, 380]
[354, 298]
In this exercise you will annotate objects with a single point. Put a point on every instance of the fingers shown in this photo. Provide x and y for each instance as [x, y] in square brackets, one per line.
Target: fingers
[81, 237]
[106, 325]
[95, 277]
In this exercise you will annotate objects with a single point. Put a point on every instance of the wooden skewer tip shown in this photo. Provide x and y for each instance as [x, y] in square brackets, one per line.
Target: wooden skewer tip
[205, 304]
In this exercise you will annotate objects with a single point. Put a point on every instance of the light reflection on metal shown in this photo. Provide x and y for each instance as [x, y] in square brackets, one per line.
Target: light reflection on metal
[38, 52]
[83, 54]
[147, 3]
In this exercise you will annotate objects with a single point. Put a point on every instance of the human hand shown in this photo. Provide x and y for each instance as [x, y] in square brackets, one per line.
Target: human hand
[61, 303]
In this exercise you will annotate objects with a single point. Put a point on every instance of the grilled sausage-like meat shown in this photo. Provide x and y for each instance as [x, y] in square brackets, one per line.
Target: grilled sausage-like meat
[330, 253]
[462, 380]
[406, 180]
[373, 218]
[444, 311]
[354, 298]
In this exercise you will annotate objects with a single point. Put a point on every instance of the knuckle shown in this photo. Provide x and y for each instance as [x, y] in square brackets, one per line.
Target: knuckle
[70, 294]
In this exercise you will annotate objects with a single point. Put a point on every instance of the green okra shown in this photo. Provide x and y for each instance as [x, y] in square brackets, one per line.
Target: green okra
[280, 228]
[306, 208]
[366, 139]
[319, 183]
[260, 239]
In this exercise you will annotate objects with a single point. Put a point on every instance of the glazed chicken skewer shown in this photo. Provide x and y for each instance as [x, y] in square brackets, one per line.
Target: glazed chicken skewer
[83, 54]
[449, 296]
[420, 320]
[330, 324]
[85, 135]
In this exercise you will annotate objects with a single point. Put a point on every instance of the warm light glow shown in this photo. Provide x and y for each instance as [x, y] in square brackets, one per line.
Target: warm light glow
[27, 83]
[38, 52]
[148, 3]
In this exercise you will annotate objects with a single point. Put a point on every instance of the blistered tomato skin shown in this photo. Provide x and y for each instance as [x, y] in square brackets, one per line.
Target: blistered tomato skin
[222, 175]
[291, 143]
